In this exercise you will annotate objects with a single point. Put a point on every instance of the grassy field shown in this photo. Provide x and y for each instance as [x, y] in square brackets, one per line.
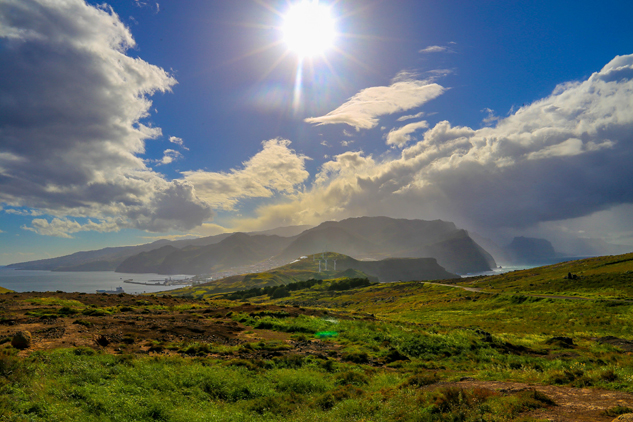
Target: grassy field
[413, 351]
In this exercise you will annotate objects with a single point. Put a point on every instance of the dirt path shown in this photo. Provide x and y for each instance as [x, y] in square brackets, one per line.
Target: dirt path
[573, 404]
[478, 290]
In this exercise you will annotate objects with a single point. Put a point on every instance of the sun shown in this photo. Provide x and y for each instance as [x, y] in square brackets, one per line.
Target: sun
[309, 28]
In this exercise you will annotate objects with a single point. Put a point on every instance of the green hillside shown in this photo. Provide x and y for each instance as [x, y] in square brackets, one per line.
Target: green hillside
[601, 277]
[3, 290]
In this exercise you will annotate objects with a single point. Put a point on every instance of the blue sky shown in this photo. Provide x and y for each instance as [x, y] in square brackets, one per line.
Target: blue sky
[140, 120]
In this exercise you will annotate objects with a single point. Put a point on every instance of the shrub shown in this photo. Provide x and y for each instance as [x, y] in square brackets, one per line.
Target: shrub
[351, 378]
[276, 405]
[356, 357]
[84, 351]
[83, 322]
[328, 400]
[420, 380]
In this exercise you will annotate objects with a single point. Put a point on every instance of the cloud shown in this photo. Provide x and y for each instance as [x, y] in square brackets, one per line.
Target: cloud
[346, 143]
[409, 117]
[275, 169]
[433, 49]
[178, 141]
[490, 118]
[563, 157]
[363, 109]
[62, 227]
[169, 156]
[401, 136]
[71, 122]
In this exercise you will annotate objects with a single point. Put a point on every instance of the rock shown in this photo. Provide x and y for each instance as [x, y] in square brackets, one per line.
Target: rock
[102, 340]
[21, 340]
[625, 345]
[625, 417]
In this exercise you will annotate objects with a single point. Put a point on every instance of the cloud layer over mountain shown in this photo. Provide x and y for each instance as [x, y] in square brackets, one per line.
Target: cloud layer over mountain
[565, 156]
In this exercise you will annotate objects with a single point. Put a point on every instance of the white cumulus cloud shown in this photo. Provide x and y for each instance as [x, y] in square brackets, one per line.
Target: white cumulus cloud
[401, 136]
[563, 157]
[275, 169]
[71, 121]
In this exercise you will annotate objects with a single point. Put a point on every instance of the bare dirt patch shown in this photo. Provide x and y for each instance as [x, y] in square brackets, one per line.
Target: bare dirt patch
[572, 404]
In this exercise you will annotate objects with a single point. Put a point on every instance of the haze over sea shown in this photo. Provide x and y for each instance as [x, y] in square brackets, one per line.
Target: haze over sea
[78, 281]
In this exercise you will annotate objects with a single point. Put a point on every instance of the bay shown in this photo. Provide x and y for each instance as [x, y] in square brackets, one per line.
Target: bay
[79, 281]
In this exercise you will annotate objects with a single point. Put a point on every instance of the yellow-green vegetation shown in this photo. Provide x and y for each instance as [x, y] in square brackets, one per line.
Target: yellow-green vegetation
[54, 301]
[608, 277]
[3, 290]
[385, 352]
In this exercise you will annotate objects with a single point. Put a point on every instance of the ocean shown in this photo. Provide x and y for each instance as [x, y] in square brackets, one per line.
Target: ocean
[78, 281]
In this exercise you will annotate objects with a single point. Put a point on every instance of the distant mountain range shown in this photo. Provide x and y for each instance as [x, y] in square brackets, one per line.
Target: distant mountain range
[108, 259]
[363, 238]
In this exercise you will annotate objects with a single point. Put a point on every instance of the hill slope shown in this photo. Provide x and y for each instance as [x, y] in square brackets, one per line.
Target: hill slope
[237, 249]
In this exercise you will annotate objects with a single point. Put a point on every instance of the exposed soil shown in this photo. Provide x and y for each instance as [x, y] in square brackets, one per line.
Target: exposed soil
[572, 404]
[137, 328]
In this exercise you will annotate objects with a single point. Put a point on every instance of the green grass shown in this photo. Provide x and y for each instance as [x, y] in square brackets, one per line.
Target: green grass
[72, 385]
[607, 277]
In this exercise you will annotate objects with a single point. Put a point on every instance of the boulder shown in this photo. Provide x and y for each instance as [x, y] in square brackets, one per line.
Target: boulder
[21, 340]
[625, 417]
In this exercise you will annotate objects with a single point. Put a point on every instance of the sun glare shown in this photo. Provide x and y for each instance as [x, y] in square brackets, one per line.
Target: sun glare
[309, 28]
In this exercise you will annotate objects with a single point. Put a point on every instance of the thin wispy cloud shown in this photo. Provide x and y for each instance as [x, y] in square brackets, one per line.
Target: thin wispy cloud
[410, 117]
[363, 109]
[178, 141]
[433, 49]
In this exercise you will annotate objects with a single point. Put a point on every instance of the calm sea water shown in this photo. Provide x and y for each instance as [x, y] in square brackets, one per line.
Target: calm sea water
[509, 268]
[84, 281]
